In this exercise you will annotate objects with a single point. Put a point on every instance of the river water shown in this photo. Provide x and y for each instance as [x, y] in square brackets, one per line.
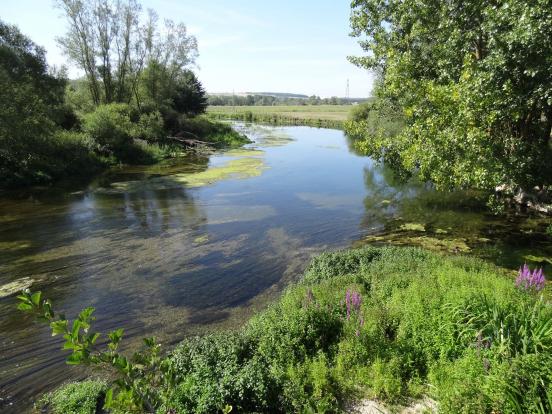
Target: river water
[202, 242]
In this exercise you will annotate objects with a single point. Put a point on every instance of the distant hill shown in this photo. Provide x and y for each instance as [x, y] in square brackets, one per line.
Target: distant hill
[280, 95]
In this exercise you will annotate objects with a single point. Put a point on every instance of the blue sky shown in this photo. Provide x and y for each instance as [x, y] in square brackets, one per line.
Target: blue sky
[244, 45]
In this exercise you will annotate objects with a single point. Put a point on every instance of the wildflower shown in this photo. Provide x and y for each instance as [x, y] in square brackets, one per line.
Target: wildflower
[528, 280]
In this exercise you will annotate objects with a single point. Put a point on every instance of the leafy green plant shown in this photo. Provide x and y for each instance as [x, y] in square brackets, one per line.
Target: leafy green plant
[477, 111]
[385, 323]
[110, 126]
[76, 398]
[140, 380]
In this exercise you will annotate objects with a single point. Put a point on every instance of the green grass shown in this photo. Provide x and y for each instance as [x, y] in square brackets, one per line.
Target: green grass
[451, 327]
[330, 116]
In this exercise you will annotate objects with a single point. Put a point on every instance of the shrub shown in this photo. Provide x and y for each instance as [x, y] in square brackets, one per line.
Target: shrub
[110, 126]
[217, 133]
[150, 127]
[84, 397]
[42, 160]
[459, 385]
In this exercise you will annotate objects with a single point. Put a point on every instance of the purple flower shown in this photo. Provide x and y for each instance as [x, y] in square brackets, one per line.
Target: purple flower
[353, 302]
[528, 280]
[348, 303]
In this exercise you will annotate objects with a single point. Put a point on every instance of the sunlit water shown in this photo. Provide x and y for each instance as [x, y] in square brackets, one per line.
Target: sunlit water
[204, 242]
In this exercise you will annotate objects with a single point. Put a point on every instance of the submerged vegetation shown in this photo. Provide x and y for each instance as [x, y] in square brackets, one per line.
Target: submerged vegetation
[394, 324]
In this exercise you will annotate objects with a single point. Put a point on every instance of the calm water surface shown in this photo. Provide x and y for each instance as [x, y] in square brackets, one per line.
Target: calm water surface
[203, 242]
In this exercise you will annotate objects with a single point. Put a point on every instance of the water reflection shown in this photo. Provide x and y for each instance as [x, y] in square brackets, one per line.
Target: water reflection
[161, 256]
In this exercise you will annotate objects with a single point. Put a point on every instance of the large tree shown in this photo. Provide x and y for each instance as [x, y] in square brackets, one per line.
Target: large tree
[31, 98]
[113, 43]
[473, 82]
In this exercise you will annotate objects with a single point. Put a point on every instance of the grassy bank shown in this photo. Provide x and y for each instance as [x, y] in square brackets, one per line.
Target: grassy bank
[322, 116]
[383, 323]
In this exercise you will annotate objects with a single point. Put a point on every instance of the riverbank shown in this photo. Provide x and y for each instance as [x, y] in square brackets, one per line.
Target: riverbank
[392, 324]
[319, 116]
[110, 140]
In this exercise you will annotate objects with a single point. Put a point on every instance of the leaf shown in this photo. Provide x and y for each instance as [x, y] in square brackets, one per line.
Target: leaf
[58, 327]
[25, 307]
[86, 314]
[75, 358]
[92, 338]
[35, 298]
[108, 399]
[115, 336]
[76, 329]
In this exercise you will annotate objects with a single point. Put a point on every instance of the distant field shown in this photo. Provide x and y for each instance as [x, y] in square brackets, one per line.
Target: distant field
[331, 113]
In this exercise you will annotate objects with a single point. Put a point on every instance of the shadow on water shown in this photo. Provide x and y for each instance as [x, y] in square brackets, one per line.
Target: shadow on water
[202, 243]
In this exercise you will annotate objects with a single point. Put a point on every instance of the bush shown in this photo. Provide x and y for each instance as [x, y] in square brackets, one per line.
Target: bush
[84, 397]
[151, 127]
[110, 126]
[42, 160]
[217, 133]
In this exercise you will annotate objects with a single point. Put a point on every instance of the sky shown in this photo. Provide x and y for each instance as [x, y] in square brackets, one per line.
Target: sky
[294, 46]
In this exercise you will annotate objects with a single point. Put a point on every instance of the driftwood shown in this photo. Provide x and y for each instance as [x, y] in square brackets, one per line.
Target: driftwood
[191, 143]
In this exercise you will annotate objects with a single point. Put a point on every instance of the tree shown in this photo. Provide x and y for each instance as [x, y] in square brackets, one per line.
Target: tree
[30, 102]
[473, 81]
[113, 44]
[189, 95]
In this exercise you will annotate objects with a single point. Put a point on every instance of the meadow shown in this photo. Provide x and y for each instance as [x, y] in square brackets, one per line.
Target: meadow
[329, 116]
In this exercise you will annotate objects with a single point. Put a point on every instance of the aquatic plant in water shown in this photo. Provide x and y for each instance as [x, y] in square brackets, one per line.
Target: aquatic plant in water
[528, 280]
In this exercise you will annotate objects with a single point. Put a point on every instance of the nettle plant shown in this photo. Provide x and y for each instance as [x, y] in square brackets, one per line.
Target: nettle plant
[141, 381]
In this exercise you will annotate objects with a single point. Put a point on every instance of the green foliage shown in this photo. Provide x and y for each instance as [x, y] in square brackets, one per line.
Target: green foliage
[461, 385]
[151, 127]
[115, 133]
[75, 398]
[472, 82]
[110, 126]
[189, 96]
[33, 149]
[134, 90]
[216, 133]
[140, 381]
[455, 328]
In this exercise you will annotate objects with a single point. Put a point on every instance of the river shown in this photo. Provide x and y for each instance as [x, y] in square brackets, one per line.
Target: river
[203, 242]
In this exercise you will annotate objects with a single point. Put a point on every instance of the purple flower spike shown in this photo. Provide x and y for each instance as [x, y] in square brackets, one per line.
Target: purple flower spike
[528, 280]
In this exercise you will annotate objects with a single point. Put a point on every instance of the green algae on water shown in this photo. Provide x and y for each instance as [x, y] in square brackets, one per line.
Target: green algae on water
[413, 227]
[241, 168]
[244, 152]
[201, 239]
